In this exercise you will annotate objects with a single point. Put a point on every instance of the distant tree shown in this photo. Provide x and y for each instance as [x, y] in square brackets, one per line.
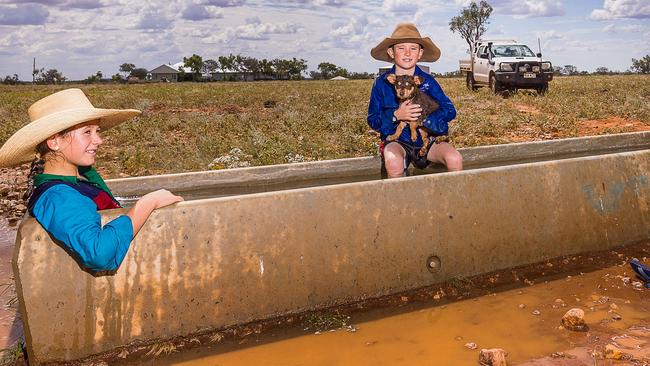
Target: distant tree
[227, 63]
[266, 67]
[360, 75]
[139, 73]
[602, 71]
[127, 68]
[195, 63]
[327, 70]
[281, 68]
[296, 68]
[315, 75]
[51, 76]
[471, 23]
[641, 66]
[117, 78]
[210, 66]
[11, 80]
[94, 78]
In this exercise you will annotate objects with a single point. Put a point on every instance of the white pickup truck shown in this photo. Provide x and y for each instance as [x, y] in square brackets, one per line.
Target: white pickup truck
[506, 65]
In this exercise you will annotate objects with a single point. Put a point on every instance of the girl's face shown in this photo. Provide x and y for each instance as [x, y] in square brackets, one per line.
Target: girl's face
[405, 55]
[78, 146]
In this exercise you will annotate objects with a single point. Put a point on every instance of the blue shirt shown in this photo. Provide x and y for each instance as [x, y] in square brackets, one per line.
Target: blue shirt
[383, 103]
[72, 219]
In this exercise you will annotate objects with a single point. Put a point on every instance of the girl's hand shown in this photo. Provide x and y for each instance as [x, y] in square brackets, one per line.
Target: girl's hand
[408, 111]
[161, 198]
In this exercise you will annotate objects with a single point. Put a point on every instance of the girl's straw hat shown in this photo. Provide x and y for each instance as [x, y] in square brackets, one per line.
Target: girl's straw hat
[53, 114]
[406, 33]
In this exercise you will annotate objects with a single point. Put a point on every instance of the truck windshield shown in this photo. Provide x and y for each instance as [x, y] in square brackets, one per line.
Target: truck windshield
[512, 51]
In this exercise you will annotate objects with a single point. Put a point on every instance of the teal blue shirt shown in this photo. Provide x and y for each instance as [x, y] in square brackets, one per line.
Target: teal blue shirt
[72, 219]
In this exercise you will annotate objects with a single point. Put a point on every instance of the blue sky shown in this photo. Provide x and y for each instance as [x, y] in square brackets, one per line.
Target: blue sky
[80, 37]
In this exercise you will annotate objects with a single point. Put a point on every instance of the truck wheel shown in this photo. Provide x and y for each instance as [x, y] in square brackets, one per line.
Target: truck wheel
[542, 89]
[469, 81]
[495, 85]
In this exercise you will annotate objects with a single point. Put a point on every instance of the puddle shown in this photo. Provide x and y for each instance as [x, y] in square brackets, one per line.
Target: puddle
[524, 321]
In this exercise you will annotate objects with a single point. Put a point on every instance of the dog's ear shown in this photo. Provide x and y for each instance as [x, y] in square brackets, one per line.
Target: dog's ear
[417, 80]
[391, 78]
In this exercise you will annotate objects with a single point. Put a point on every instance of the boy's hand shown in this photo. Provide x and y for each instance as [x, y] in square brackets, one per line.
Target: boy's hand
[408, 111]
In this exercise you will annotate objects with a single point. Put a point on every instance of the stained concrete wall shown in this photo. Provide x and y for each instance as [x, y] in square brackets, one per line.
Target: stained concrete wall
[212, 263]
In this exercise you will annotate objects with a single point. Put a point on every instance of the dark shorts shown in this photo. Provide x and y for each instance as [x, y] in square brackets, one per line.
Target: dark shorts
[412, 152]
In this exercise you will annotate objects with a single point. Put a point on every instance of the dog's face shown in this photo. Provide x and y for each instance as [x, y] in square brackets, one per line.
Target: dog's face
[405, 85]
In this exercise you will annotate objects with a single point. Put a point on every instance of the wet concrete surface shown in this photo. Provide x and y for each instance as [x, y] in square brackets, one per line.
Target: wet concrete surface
[11, 329]
[450, 324]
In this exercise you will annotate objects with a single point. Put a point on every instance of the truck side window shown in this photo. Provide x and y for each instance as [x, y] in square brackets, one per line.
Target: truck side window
[482, 52]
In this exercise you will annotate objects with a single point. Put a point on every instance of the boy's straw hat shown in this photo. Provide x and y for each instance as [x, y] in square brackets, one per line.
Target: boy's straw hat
[403, 33]
[53, 114]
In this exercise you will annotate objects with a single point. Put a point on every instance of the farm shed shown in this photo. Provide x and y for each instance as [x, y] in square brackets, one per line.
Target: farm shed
[164, 73]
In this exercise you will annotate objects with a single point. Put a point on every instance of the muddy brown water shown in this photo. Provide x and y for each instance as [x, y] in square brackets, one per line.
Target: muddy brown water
[523, 319]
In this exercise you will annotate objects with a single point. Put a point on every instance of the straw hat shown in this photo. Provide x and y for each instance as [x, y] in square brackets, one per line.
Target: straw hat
[53, 114]
[403, 33]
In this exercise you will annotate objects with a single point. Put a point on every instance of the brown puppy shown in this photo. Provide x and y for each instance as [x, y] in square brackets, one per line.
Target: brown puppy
[407, 88]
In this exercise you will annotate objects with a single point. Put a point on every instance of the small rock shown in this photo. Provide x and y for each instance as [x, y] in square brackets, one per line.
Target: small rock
[404, 299]
[637, 284]
[559, 301]
[626, 280]
[574, 320]
[522, 306]
[471, 345]
[459, 338]
[613, 306]
[613, 352]
[616, 316]
[536, 312]
[493, 357]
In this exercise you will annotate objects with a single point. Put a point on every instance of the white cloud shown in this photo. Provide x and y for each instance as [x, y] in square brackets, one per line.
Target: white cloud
[224, 3]
[617, 9]
[153, 18]
[23, 14]
[201, 12]
[253, 30]
[631, 28]
[400, 6]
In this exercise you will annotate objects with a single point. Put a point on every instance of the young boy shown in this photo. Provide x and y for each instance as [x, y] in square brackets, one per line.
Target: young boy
[405, 48]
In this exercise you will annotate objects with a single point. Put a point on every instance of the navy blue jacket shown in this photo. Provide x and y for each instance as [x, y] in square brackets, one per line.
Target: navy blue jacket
[383, 103]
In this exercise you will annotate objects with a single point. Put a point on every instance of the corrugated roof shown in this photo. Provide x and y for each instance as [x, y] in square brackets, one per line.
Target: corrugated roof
[164, 69]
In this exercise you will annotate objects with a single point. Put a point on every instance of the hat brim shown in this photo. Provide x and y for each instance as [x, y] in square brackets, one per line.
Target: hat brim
[21, 146]
[431, 52]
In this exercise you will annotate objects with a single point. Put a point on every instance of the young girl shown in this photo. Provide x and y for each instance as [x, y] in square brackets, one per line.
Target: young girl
[65, 192]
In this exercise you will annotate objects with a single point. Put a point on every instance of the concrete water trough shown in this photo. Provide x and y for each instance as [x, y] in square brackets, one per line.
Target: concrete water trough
[285, 239]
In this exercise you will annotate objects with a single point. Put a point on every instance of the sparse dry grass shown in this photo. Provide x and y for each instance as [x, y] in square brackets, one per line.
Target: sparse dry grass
[187, 125]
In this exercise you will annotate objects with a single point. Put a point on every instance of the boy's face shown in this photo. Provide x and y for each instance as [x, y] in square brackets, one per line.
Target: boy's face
[405, 55]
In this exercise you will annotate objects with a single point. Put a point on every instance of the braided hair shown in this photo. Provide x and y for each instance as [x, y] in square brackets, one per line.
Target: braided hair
[36, 168]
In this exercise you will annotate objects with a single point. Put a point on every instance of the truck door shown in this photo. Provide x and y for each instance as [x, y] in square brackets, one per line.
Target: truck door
[480, 68]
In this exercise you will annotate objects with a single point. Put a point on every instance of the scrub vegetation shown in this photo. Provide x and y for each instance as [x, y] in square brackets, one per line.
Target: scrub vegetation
[187, 126]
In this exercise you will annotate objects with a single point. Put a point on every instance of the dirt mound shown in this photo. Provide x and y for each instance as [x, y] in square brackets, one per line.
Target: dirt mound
[610, 125]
